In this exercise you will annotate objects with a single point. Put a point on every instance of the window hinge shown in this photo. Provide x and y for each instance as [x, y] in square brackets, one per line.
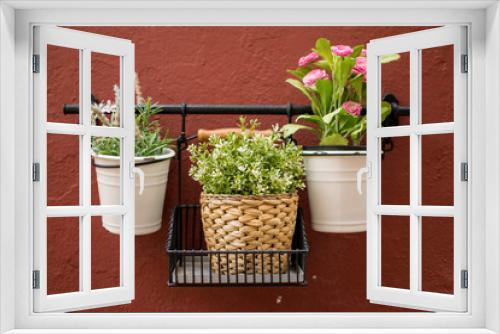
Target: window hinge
[464, 279]
[36, 279]
[36, 63]
[464, 171]
[36, 172]
[465, 64]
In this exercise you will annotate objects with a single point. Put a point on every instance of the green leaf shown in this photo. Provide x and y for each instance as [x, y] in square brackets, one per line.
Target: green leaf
[343, 70]
[324, 65]
[389, 58]
[290, 129]
[357, 85]
[385, 110]
[347, 122]
[356, 51]
[324, 49]
[310, 118]
[328, 118]
[325, 91]
[300, 86]
[358, 132]
[299, 72]
[334, 139]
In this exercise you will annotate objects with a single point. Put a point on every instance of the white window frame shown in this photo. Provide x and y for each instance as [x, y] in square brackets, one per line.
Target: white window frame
[16, 20]
[415, 43]
[86, 44]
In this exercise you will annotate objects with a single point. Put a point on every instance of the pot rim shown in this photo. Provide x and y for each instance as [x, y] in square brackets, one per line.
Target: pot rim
[334, 150]
[169, 154]
[203, 194]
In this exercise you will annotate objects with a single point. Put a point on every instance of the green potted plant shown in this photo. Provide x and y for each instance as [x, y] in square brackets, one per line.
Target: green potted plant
[249, 199]
[152, 156]
[333, 78]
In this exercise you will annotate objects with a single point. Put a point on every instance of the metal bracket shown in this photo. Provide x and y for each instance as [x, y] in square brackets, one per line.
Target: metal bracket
[465, 64]
[36, 172]
[392, 119]
[464, 279]
[36, 279]
[464, 171]
[36, 63]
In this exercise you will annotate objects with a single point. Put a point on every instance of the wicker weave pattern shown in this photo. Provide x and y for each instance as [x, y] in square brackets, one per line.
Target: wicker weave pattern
[236, 222]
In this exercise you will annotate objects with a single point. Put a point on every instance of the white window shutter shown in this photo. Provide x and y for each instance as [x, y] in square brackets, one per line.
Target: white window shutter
[86, 44]
[415, 297]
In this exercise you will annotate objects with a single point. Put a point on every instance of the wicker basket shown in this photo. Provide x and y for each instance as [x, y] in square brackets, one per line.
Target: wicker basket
[237, 222]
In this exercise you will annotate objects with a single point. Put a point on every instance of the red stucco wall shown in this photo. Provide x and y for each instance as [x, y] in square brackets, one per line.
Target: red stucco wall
[247, 65]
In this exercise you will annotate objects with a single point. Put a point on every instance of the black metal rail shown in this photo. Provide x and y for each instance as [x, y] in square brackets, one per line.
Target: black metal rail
[242, 109]
[220, 109]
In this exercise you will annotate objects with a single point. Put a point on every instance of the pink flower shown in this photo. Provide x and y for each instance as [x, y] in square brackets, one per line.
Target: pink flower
[341, 50]
[310, 78]
[363, 52]
[309, 58]
[353, 108]
[360, 67]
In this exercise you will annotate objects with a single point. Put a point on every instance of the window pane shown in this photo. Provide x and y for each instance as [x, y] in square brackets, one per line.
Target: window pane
[106, 252]
[63, 83]
[105, 87]
[437, 254]
[437, 169]
[437, 84]
[395, 80]
[395, 243]
[63, 254]
[63, 170]
[106, 171]
[395, 173]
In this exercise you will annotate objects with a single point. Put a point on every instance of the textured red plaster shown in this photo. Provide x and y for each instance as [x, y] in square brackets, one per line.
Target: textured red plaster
[246, 65]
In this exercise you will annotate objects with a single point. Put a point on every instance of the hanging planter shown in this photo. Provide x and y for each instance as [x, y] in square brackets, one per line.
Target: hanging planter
[331, 174]
[148, 200]
[333, 78]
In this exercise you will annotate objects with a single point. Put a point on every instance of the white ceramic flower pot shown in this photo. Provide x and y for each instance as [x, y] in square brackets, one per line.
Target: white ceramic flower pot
[149, 204]
[335, 204]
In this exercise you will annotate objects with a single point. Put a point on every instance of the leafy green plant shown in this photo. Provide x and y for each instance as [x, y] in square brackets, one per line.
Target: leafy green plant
[148, 138]
[333, 78]
[248, 163]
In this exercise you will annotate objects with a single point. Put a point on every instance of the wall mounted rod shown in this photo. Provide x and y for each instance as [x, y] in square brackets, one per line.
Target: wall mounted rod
[219, 109]
[235, 109]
